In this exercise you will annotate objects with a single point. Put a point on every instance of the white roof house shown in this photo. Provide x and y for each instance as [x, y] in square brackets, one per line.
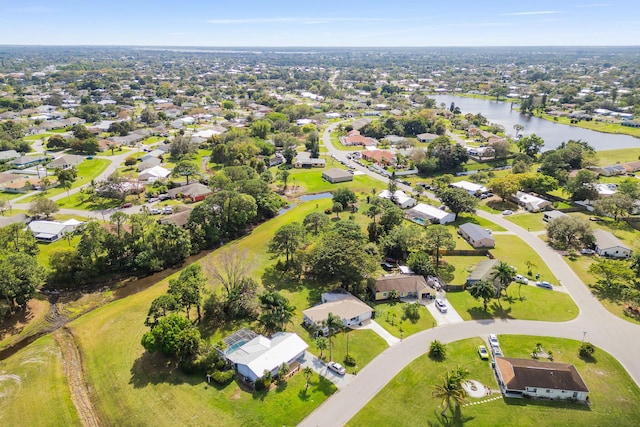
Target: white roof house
[262, 354]
[471, 187]
[530, 202]
[400, 198]
[609, 245]
[349, 308]
[422, 212]
[153, 174]
[50, 231]
[605, 190]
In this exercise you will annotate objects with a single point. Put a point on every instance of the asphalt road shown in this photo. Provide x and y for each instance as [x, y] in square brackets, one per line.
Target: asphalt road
[602, 328]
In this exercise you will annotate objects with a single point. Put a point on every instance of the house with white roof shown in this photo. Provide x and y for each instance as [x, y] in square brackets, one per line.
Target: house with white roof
[50, 231]
[608, 245]
[153, 174]
[399, 197]
[472, 188]
[530, 202]
[350, 309]
[422, 213]
[259, 354]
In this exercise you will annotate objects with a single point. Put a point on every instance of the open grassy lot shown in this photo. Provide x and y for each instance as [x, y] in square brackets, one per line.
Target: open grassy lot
[516, 252]
[526, 302]
[407, 401]
[610, 157]
[595, 125]
[310, 181]
[464, 266]
[33, 389]
[390, 316]
[531, 221]
[87, 170]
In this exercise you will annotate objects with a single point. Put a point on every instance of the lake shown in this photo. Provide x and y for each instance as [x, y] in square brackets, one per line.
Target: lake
[552, 133]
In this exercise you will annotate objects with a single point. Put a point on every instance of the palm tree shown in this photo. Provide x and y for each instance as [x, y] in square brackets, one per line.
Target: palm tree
[307, 372]
[333, 324]
[502, 273]
[321, 343]
[483, 290]
[530, 264]
[450, 388]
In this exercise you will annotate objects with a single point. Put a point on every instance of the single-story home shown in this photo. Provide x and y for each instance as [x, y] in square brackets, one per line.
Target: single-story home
[8, 155]
[152, 154]
[194, 192]
[27, 161]
[538, 379]
[422, 213]
[308, 163]
[405, 285]
[381, 157]
[530, 202]
[551, 215]
[483, 271]
[179, 217]
[336, 175]
[609, 245]
[149, 163]
[477, 236]
[50, 231]
[354, 137]
[259, 354]
[66, 162]
[605, 190]
[472, 188]
[153, 174]
[399, 197]
[349, 308]
[427, 137]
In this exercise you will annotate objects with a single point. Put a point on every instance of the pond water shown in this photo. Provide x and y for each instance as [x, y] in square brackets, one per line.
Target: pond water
[305, 198]
[552, 133]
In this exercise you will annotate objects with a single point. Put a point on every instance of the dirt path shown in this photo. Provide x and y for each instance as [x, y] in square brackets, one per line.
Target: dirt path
[74, 371]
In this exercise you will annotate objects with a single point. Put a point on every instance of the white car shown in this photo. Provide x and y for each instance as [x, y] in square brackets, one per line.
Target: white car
[544, 284]
[519, 278]
[441, 305]
[507, 212]
[167, 210]
[154, 211]
[337, 368]
[493, 340]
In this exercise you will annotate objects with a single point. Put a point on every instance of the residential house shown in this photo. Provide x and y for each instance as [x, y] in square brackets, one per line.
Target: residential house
[551, 215]
[381, 157]
[28, 161]
[483, 271]
[477, 236]
[152, 154]
[194, 192]
[148, 164]
[66, 162]
[353, 137]
[405, 285]
[470, 187]
[50, 231]
[21, 184]
[608, 245]
[336, 175]
[350, 309]
[422, 213]
[8, 155]
[605, 190]
[179, 217]
[611, 170]
[427, 137]
[252, 357]
[306, 162]
[538, 379]
[153, 174]
[530, 202]
[399, 197]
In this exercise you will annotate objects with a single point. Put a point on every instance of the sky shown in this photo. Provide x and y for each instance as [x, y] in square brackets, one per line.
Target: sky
[301, 23]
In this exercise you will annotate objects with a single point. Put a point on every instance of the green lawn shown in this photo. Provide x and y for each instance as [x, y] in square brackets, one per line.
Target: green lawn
[595, 125]
[611, 157]
[526, 302]
[87, 170]
[464, 265]
[528, 220]
[407, 401]
[309, 181]
[390, 316]
[511, 249]
[46, 249]
[33, 389]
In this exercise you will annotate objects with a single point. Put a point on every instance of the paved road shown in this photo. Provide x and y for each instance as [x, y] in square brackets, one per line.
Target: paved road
[602, 328]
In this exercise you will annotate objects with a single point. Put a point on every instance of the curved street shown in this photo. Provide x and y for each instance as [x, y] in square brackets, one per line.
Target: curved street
[602, 328]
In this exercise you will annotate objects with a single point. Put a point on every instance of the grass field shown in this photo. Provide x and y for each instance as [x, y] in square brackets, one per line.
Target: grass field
[390, 316]
[516, 252]
[528, 220]
[407, 401]
[526, 302]
[309, 181]
[33, 390]
[611, 157]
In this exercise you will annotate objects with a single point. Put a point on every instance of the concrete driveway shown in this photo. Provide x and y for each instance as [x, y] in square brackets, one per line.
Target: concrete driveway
[319, 366]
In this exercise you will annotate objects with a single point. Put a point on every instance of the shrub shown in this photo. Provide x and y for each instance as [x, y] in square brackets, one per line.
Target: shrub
[437, 350]
[328, 211]
[587, 350]
[412, 312]
[349, 360]
[222, 377]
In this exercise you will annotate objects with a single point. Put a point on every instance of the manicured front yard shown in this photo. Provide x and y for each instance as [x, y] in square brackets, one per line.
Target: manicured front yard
[526, 302]
[407, 400]
[390, 316]
[513, 250]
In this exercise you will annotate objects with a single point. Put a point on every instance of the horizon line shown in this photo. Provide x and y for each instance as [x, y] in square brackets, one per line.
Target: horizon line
[307, 46]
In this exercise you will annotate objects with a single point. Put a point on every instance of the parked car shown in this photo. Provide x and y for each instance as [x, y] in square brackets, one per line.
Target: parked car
[482, 351]
[387, 266]
[587, 251]
[507, 212]
[153, 200]
[441, 305]
[163, 196]
[544, 284]
[519, 278]
[493, 340]
[497, 352]
[167, 210]
[337, 368]
[154, 211]
[126, 205]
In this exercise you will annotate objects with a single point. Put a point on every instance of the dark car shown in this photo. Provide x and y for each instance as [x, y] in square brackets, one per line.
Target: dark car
[387, 266]
[126, 205]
